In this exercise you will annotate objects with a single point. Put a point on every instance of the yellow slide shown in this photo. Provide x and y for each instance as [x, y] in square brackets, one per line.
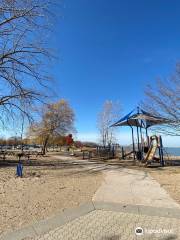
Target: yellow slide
[152, 150]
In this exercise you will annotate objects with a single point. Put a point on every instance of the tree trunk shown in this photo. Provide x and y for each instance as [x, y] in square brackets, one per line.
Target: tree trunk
[44, 148]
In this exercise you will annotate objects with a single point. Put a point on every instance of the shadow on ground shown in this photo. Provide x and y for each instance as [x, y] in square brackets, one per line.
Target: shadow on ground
[54, 162]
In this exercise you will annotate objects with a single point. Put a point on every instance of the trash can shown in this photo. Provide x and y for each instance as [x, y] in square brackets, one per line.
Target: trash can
[19, 170]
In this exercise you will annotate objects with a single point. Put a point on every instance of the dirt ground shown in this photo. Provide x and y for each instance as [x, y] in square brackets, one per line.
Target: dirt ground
[46, 188]
[169, 179]
[50, 185]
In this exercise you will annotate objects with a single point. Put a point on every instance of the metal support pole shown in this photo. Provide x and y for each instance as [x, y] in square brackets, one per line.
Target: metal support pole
[161, 151]
[141, 138]
[132, 139]
[133, 142]
[142, 145]
[138, 138]
[147, 137]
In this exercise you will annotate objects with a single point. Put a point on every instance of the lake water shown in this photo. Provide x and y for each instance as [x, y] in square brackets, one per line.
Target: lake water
[172, 151]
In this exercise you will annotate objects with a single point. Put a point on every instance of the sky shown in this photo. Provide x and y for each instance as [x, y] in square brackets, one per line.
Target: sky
[110, 50]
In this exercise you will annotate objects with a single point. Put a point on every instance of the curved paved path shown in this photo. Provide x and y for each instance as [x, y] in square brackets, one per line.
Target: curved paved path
[134, 187]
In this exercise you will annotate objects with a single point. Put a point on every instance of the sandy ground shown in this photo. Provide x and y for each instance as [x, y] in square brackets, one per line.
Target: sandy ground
[52, 184]
[42, 192]
[169, 178]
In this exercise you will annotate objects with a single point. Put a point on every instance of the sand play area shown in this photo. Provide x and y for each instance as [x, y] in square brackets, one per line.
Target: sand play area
[56, 182]
[45, 189]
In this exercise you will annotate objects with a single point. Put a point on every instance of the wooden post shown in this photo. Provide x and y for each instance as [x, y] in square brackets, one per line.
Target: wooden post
[113, 150]
[4, 156]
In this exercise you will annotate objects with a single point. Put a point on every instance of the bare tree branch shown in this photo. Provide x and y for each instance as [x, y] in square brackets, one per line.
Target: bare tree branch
[109, 114]
[23, 53]
[164, 101]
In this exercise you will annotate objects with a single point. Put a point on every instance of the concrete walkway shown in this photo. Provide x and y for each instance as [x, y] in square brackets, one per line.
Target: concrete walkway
[133, 187]
[105, 221]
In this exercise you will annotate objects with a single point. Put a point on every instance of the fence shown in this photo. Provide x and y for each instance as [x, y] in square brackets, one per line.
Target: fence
[104, 152]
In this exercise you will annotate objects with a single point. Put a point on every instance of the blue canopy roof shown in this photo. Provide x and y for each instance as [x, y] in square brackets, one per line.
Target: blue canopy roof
[140, 118]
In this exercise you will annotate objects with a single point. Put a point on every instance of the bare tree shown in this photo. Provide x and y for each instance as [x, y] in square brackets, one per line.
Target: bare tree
[109, 114]
[164, 101]
[57, 120]
[23, 52]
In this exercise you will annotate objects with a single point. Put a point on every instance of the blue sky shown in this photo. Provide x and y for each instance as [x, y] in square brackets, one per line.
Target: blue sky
[110, 50]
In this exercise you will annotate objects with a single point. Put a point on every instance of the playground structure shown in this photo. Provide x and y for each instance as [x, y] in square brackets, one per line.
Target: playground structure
[155, 144]
[147, 148]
